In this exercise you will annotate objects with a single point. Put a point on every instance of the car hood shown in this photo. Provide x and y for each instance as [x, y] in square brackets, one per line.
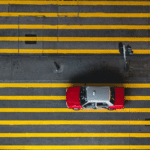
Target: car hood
[119, 96]
[73, 97]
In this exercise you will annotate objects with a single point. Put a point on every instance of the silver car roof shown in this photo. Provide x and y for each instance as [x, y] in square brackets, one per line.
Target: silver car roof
[98, 93]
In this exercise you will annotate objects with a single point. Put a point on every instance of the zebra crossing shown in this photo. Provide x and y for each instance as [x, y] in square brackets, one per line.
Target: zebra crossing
[34, 116]
[71, 129]
[73, 27]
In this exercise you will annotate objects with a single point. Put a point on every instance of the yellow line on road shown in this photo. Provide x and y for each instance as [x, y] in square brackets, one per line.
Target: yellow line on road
[110, 39]
[54, 2]
[74, 122]
[66, 85]
[37, 51]
[39, 85]
[90, 51]
[137, 97]
[88, 26]
[58, 110]
[9, 38]
[70, 51]
[84, 51]
[36, 14]
[144, 3]
[31, 2]
[73, 147]
[141, 51]
[39, 97]
[28, 38]
[77, 39]
[16, 51]
[27, 26]
[29, 135]
[22, 97]
[114, 15]
[8, 26]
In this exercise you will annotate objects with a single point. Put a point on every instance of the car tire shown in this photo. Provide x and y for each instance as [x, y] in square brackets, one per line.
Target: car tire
[75, 108]
[110, 109]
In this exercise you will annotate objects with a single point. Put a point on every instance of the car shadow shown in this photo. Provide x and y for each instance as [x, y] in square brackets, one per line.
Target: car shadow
[101, 75]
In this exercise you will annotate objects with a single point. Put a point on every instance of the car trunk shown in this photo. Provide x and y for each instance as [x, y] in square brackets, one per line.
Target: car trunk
[73, 97]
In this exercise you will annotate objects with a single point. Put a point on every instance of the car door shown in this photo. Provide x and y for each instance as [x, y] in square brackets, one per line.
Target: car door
[102, 105]
[89, 105]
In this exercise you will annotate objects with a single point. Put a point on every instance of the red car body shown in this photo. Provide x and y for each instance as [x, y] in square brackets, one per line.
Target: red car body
[119, 98]
[73, 98]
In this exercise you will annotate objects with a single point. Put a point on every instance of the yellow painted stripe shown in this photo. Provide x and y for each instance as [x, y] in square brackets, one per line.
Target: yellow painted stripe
[36, 14]
[7, 26]
[137, 97]
[37, 38]
[22, 97]
[114, 15]
[27, 26]
[92, 39]
[39, 85]
[131, 39]
[74, 122]
[68, 51]
[58, 110]
[28, 2]
[16, 51]
[36, 51]
[29, 135]
[38, 26]
[66, 85]
[144, 3]
[137, 27]
[141, 51]
[35, 2]
[28, 39]
[71, 51]
[72, 147]
[94, 51]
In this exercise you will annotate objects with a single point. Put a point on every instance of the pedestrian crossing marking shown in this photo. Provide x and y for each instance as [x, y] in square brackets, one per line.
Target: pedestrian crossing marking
[43, 97]
[55, 2]
[70, 51]
[73, 147]
[137, 98]
[75, 14]
[66, 85]
[33, 135]
[74, 122]
[125, 3]
[78, 27]
[105, 39]
[77, 39]
[58, 110]
[32, 97]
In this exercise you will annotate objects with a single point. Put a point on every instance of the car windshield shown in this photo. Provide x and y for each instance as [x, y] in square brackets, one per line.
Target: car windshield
[83, 95]
[112, 99]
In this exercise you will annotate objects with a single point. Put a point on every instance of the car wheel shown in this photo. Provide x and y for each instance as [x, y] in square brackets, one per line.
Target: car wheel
[110, 109]
[75, 108]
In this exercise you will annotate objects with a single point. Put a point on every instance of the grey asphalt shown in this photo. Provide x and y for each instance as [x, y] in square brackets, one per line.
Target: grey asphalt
[75, 69]
[93, 69]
